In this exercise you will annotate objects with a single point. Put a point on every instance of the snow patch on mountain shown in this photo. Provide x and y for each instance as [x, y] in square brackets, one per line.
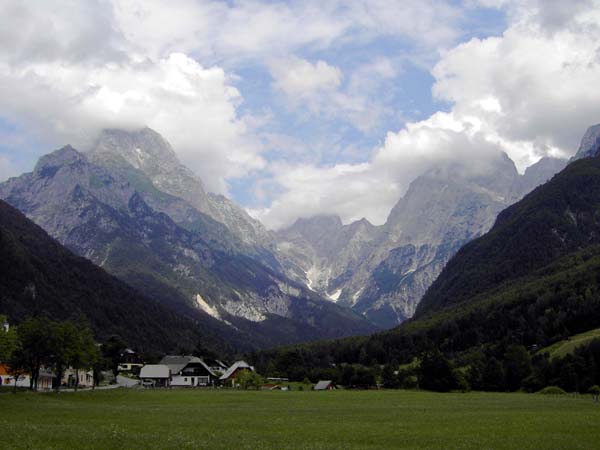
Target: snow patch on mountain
[210, 310]
[335, 296]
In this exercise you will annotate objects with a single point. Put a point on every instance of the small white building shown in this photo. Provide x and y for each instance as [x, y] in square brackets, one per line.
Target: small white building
[155, 375]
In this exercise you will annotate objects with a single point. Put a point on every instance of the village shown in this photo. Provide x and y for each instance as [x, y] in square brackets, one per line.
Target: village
[172, 371]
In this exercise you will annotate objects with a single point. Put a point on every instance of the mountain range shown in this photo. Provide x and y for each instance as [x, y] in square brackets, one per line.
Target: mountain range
[382, 272]
[130, 206]
[530, 281]
[112, 212]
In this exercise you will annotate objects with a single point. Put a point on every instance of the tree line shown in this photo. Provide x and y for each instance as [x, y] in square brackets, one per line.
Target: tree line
[513, 368]
[38, 342]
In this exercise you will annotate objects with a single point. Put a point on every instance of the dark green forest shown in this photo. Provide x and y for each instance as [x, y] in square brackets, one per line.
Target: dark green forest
[533, 280]
[39, 277]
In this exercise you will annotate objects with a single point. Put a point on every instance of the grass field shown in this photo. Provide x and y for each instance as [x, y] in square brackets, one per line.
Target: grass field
[180, 419]
[563, 348]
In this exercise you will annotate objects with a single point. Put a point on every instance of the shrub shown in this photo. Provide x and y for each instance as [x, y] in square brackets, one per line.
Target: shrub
[552, 390]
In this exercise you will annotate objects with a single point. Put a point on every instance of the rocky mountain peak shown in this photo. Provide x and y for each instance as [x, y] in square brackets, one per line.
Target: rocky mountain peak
[317, 225]
[144, 149]
[590, 143]
[147, 151]
[52, 161]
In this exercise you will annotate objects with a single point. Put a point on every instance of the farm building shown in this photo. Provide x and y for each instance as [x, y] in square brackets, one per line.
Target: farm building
[324, 385]
[189, 371]
[155, 375]
[230, 375]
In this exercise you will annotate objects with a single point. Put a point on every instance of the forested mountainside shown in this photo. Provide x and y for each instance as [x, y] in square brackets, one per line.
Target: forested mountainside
[38, 276]
[532, 280]
[558, 218]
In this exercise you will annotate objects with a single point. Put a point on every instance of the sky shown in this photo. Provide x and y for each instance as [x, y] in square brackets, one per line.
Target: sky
[300, 108]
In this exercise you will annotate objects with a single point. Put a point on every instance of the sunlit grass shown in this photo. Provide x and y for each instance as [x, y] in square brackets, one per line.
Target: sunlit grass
[126, 419]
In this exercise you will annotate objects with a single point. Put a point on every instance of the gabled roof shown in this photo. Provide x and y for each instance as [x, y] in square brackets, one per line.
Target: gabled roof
[322, 385]
[216, 363]
[155, 371]
[177, 363]
[237, 365]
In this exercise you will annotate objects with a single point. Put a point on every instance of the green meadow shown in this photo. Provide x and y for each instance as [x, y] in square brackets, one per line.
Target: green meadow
[214, 419]
[561, 349]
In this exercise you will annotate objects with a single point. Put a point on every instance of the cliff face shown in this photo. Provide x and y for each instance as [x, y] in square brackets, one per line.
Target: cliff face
[383, 272]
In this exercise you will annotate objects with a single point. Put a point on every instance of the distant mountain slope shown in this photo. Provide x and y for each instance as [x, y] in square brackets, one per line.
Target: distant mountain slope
[590, 143]
[40, 276]
[558, 218]
[383, 272]
[97, 212]
[546, 306]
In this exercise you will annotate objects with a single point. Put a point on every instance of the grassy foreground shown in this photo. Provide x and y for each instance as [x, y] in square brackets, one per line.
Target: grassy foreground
[180, 419]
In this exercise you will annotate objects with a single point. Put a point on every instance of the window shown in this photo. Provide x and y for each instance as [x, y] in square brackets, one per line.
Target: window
[185, 379]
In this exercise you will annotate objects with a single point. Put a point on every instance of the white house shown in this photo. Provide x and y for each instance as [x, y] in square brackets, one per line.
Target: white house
[189, 371]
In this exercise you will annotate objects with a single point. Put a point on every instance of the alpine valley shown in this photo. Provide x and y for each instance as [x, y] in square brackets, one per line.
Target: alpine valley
[128, 205]
[500, 307]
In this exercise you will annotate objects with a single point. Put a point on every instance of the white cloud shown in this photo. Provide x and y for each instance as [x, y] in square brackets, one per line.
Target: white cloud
[129, 63]
[302, 80]
[529, 92]
[255, 29]
[84, 75]
[371, 189]
[540, 80]
[319, 89]
[7, 169]
[194, 107]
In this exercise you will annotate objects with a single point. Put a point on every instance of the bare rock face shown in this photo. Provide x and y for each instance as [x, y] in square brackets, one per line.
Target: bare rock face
[383, 272]
[149, 152]
[239, 222]
[590, 143]
[151, 155]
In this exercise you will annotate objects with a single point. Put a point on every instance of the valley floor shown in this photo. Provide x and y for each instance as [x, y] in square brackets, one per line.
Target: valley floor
[147, 419]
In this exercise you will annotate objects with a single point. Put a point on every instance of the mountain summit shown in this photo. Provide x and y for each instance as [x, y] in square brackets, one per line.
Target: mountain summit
[590, 144]
[149, 152]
